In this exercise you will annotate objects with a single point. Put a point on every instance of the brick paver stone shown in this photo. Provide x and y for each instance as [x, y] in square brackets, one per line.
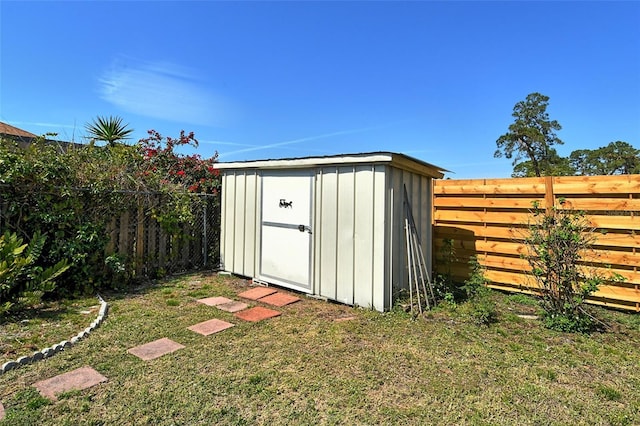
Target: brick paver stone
[233, 306]
[257, 292]
[257, 314]
[344, 319]
[155, 349]
[215, 301]
[209, 327]
[279, 299]
[81, 378]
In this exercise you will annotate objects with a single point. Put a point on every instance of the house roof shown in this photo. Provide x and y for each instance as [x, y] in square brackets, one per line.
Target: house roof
[9, 130]
[401, 161]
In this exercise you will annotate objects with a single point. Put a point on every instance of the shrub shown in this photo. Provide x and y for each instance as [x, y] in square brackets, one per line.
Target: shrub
[478, 306]
[22, 281]
[557, 242]
[443, 285]
[71, 195]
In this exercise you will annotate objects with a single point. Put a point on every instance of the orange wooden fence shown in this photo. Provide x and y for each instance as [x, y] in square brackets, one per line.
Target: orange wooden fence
[489, 217]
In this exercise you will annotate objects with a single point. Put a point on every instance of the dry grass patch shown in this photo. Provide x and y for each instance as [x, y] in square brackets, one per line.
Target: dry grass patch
[306, 368]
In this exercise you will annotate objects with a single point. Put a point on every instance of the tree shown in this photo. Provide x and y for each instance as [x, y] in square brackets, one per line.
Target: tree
[109, 130]
[617, 158]
[554, 165]
[531, 135]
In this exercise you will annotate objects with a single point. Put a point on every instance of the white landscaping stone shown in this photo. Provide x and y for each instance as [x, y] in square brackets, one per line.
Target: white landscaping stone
[24, 360]
[65, 344]
[9, 365]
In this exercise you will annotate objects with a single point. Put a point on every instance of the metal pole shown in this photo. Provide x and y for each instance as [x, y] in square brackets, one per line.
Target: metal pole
[204, 232]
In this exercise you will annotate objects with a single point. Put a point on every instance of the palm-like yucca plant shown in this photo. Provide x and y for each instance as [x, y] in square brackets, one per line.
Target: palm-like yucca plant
[110, 130]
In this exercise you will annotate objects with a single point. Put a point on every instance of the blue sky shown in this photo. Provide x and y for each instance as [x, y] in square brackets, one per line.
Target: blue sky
[254, 80]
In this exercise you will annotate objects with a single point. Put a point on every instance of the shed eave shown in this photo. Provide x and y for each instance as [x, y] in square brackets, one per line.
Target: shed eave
[400, 161]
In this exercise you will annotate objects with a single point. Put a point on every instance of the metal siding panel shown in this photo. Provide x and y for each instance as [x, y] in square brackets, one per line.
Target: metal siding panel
[327, 219]
[395, 230]
[379, 282]
[223, 206]
[363, 236]
[249, 248]
[257, 220]
[400, 262]
[229, 214]
[428, 245]
[344, 236]
[424, 219]
[240, 215]
[414, 199]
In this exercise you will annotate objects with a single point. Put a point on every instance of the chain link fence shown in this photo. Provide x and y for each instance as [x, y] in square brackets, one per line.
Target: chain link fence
[137, 237]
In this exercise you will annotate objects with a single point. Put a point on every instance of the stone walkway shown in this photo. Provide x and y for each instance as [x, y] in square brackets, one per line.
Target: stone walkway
[85, 377]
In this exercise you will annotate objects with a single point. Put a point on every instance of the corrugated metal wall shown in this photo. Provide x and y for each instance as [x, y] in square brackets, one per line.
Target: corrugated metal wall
[240, 233]
[350, 234]
[359, 247]
[419, 192]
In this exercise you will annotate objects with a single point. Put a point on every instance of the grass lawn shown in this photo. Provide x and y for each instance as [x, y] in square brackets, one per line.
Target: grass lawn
[306, 368]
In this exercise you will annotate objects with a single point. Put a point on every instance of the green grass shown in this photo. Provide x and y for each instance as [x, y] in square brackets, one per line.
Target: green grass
[306, 368]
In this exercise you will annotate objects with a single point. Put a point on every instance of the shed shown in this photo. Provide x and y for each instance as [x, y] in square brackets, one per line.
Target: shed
[330, 226]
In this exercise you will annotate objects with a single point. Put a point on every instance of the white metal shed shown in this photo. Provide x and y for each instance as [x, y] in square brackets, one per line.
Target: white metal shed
[329, 226]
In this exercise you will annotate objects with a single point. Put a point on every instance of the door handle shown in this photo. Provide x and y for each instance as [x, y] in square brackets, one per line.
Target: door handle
[303, 228]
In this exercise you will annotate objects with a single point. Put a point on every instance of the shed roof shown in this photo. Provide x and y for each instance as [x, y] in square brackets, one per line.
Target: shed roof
[400, 161]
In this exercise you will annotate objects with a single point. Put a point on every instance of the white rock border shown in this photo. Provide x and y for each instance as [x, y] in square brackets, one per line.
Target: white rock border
[59, 347]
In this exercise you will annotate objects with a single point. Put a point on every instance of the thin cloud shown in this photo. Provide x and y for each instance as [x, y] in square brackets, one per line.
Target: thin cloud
[40, 124]
[164, 91]
[299, 140]
[226, 143]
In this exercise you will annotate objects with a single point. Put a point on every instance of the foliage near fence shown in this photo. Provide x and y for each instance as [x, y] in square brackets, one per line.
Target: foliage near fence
[114, 212]
[137, 238]
[489, 218]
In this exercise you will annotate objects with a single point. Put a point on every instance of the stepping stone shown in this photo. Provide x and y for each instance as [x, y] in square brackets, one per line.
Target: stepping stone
[257, 314]
[257, 293]
[79, 379]
[215, 301]
[344, 319]
[209, 327]
[155, 349]
[233, 306]
[279, 299]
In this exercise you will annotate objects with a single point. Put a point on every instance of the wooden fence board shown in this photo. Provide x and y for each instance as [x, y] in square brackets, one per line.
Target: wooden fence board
[496, 203]
[481, 188]
[483, 217]
[488, 218]
[603, 204]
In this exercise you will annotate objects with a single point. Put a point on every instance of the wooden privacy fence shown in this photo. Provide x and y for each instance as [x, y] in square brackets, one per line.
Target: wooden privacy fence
[140, 240]
[488, 218]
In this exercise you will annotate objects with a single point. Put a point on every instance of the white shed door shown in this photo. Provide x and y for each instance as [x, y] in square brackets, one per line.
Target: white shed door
[286, 229]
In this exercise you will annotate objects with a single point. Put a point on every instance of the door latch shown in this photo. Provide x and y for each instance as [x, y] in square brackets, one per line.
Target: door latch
[286, 204]
[303, 228]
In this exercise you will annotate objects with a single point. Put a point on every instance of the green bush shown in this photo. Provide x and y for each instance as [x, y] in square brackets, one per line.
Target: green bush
[559, 244]
[478, 306]
[71, 195]
[22, 280]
